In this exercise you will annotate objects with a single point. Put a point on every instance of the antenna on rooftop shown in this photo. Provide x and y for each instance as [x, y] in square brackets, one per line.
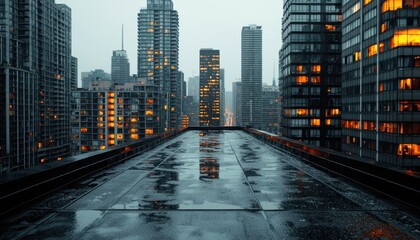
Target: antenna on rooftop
[122, 35]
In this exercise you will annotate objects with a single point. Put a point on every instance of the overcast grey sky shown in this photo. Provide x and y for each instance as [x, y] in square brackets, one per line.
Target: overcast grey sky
[203, 24]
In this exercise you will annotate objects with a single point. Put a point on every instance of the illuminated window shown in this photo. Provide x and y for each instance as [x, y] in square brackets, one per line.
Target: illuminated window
[111, 136]
[381, 87]
[39, 144]
[328, 122]
[302, 79]
[149, 101]
[388, 127]
[372, 50]
[102, 147]
[120, 136]
[134, 136]
[111, 119]
[111, 142]
[410, 106]
[149, 113]
[111, 94]
[316, 79]
[316, 68]
[409, 150]
[83, 130]
[316, 122]
[301, 112]
[84, 148]
[299, 69]
[410, 84]
[391, 5]
[366, 2]
[381, 47]
[407, 37]
[357, 56]
[383, 27]
[330, 27]
[149, 131]
[111, 124]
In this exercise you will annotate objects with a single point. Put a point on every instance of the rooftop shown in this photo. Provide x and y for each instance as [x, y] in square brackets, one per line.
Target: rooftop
[212, 185]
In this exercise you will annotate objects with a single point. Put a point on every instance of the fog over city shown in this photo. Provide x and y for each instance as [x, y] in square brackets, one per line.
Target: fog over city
[203, 24]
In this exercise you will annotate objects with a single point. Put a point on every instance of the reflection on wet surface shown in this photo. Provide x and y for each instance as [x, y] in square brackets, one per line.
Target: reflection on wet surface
[211, 185]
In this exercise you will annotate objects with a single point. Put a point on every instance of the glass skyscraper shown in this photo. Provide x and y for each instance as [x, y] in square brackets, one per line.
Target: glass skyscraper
[311, 72]
[251, 76]
[381, 80]
[158, 48]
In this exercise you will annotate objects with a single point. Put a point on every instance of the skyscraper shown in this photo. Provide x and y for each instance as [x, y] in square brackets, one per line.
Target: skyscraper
[209, 88]
[222, 97]
[97, 74]
[381, 81]
[312, 72]
[35, 82]
[120, 66]
[74, 73]
[270, 108]
[237, 103]
[158, 47]
[251, 75]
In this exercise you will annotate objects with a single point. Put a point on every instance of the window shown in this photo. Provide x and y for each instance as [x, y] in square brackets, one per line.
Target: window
[366, 2]
[409, 150]
[410, 84]
[372, 50]
[316, 68]
[316, 122]
[406, 37]
[302, 79]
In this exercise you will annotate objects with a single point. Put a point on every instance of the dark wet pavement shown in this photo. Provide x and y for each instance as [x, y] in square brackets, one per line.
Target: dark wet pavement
[212, 185]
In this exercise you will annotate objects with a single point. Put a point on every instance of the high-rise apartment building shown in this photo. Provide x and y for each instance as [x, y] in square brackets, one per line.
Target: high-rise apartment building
[251, 75]
[311, 54]
[35, 82]
[209, 88]
[381, 80]
[158, 48]
[237, 103]
[74, 74]
[112, 114]
[120, 66]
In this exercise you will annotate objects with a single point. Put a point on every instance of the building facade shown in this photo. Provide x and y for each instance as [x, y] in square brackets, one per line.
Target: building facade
[74, 73]
[120, 66]
[270, 108]
[209, 88]
[158, 57]
[35, 82]
[311, 107]
[222, 97]
[381, 81]
[237, 103]
[109, 115]
[194, 87]
[251, 75]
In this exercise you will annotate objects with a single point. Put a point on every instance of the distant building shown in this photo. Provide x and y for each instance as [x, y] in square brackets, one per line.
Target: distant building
[270, 108]
[158, 58]
[222, 97]
[191, 110]
[209, 88]
[112, 114]
[74, 74]
[381, 81]
[97, 74]
[237, 103]
[194, 87]
[251, 76]
[120, 69]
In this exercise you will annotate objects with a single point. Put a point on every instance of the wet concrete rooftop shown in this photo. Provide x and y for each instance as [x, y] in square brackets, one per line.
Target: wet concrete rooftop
[212, 185]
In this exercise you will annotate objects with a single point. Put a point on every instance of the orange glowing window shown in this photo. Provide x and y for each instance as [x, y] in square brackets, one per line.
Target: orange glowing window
[316, 122]
[410, 84]
[149, 113]
[134, 136]
[111, 119]
[101, 113]
[120, 100]
[120, 136]
[133, 120]
[316, 79]
[111, 142]
[299, 69]
[373, 50]
[388, 127]
[328, 122]
[335, 112]
[84, 148]
[111, 136]
[102, 147]
[330, 27]
[391, 5]
[409, 150]
[83, 130]
[302, 79]
[39, 144]
[381, 47]
[366, 2]
[316, 68]
[101, 136]
[357, 56]
[406, 37]
[111, 100]
[111, 106]
[149, 101]
[383, 27]
[111, 94]
[111, 124]
[149, 131]
[301, 112]
[381, 87]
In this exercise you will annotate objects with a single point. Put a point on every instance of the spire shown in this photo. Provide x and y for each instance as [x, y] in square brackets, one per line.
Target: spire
[274, 74]
[122, 42]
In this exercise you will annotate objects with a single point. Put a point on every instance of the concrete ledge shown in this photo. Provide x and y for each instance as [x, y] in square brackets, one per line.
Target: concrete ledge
[402, 185]
[18, 189]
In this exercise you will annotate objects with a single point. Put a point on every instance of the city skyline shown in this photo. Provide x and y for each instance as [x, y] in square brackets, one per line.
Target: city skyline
[89, 18]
